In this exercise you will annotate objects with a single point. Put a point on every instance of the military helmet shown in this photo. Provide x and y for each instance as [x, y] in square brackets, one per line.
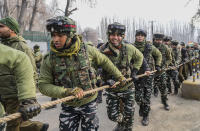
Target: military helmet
[61, 24]
[158, 36]
[36, 46]
[174, 42]
[167, 38]
[116, 28]
[141, 32]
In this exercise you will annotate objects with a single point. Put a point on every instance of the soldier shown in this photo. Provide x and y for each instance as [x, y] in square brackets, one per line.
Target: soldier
[190, 55]
[176, 59]
[143, 86]
[69, 69]
[37, 56]
[184, 58]
[160, 78]
[17, 91]
[128, 59]
[9, 34]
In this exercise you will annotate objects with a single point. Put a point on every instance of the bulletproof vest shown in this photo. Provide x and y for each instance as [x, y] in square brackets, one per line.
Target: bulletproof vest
[121, 62]
[74, 71]
[148, 56]
[163, 51]
[8, 87]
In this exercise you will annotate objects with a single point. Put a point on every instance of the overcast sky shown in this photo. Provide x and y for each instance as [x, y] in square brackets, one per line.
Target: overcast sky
[157, 10]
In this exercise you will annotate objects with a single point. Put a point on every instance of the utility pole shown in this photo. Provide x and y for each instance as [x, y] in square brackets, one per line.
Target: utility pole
[152, 28]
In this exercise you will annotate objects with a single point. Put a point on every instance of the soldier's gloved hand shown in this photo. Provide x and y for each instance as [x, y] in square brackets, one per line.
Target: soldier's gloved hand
[134, 74]
[122, 81]
[111, 83]
[158, 68]
[29, 108]
[78, 92]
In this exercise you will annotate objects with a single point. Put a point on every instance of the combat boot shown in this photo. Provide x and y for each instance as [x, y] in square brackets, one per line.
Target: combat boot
[141, 110]
[156, 92]
[166, 106]
[119, 127]
[145, 120]
[45, 127]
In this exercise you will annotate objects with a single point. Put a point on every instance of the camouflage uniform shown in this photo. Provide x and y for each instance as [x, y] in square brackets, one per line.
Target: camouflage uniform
[71, 69]
[173, 73]
[120, 100]
[37, 56]
[160, 78]
[17, 85]
[143, 86]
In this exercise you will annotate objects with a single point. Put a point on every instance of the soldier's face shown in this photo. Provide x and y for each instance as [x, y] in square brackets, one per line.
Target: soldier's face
[158, 41]
[140, 38]
[166, 42]
[59, 40]
[5, 32]
[115, 39]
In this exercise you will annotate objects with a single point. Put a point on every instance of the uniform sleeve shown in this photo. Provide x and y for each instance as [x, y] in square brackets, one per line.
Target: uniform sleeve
[102, 61]
[24, 77]
[46, 80]
[168, 56]
[137, 57]
[157, 56]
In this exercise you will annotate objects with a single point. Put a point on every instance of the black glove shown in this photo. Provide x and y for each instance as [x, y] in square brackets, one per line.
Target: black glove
[158, 68]
[134, 74]
[29, 108]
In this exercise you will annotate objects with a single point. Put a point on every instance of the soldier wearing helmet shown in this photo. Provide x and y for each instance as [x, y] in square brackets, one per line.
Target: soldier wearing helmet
[143, 86]
[69, 69]
[122, 55]
[160, 78]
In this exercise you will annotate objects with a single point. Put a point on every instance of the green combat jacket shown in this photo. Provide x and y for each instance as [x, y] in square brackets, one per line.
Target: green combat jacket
[19, 43]
[127, 58]
[59, 73]
[152, 55]
[16, 76]
[166, 55]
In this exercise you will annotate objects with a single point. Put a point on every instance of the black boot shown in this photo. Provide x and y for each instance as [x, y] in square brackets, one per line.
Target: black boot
[141, 110]
[166, 106]
[175, 90]
[145, 120]
[45, 127]
[156, 92]
[119, 127]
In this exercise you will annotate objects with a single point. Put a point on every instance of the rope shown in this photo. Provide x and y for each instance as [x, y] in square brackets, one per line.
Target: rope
[49, 104]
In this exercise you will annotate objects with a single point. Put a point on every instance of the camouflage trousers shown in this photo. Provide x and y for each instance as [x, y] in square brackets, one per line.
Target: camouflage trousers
[143, 89]
[161, 84]
[70, 117]
[121, 107]
[12, 106]
[172, 74]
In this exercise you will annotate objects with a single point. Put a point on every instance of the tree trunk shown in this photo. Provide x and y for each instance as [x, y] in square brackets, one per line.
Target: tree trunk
[67, 8]
[22, 13]
[33, 14]
[6, 10]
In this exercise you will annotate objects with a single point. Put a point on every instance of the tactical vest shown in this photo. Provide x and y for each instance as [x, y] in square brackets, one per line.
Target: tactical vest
[122, 63]
[148, 56]
[163, 51]
[8, 87]
[74, 71]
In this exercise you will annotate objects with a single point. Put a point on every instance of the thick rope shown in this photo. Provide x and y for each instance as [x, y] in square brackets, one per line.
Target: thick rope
[49, 104]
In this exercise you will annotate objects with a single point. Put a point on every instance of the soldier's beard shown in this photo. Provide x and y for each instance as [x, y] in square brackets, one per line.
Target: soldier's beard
[5, 35]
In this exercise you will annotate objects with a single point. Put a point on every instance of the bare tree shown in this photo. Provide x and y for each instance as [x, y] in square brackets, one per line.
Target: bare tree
[69, 8]
[33, 14]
